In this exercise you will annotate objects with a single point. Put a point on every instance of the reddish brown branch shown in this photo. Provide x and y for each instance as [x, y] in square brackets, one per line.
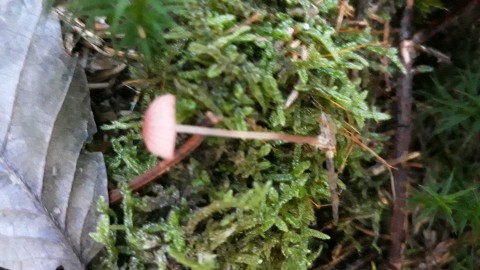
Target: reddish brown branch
[399, 225]
[162, 167]
[151, 175]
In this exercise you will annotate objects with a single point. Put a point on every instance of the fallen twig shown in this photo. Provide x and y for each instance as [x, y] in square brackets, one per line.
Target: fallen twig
[161, 168]
[151, 175]
[380, 168]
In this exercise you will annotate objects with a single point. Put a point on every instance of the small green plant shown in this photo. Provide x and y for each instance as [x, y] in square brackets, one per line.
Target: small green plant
[448, 130]
[134, 24]
[438, 200]
[427, 6]
[454, 108]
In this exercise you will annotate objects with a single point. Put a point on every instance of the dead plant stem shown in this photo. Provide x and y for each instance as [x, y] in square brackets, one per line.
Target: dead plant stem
[399, 224]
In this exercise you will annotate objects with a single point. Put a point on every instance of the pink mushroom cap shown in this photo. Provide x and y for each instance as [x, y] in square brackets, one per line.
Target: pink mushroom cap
[159, 127]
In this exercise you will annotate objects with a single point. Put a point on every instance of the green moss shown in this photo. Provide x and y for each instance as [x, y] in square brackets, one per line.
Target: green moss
[248, 204]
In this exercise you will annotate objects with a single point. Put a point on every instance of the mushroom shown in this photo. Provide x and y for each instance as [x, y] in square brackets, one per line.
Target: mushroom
[160, 130]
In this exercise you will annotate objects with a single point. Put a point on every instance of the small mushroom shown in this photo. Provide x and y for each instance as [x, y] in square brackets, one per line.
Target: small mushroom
[160, 130]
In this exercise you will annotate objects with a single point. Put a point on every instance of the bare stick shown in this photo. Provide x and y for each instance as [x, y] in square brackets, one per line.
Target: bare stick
[399, 225]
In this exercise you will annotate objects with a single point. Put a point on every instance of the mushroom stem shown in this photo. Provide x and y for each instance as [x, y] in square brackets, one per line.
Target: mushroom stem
[249, 135]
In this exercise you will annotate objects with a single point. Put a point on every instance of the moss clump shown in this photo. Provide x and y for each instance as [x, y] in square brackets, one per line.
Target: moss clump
[248, 204]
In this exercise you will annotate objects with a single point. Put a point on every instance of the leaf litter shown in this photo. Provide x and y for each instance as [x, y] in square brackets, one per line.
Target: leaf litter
[49, 184]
